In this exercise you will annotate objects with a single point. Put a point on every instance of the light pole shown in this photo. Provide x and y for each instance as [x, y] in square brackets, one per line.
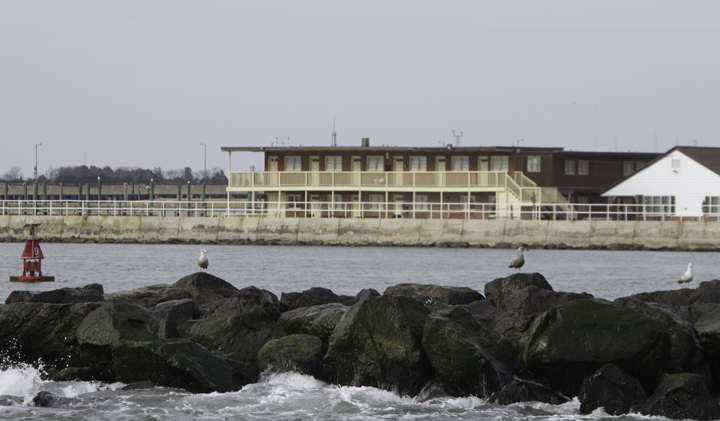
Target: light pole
[205, 167]
[36, 145]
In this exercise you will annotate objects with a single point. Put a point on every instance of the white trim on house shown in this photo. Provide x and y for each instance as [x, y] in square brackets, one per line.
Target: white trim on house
[672, 175]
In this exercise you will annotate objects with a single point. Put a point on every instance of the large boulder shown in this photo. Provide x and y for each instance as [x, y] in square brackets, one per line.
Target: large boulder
[39, 331]
[708, 331]
[251, 299]
[318, 320]
[708, 291]
[115, 322]
[366, 294]
[569, 342]
[172, 314]
[502, 289]
[311, 297]
[179, 363]
[301, 353]
[466, 354]
[87, 294]
[682, 396]
[612, 389]
[236, 330]
[514, 314]
[446, 294]
[378, 343]
[206, 288]
[686, 355]
[525, 391]
[150, 296]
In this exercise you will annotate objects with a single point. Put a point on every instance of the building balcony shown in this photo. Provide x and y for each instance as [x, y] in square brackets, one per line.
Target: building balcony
[381, 180]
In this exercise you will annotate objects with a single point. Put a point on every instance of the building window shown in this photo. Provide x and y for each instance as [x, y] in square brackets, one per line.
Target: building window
[582, 202]
[569, 167]
[333, 163]
[375, 163]
[421, 202]
[292, 163]
[660, 205]
[499, 163]
[583, 167]
[461, 163]
[375, 201]
[464, 201]
[640, 165]
[676, 164]
[712, 205]
[532, 164]
[628, 167]
[293, 201]
[418, 163]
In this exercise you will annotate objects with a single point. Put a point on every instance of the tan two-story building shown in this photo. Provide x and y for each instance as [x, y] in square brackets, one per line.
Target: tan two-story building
[415, 182]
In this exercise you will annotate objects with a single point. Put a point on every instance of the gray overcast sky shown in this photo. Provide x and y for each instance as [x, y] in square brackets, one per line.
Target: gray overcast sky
[143, 83]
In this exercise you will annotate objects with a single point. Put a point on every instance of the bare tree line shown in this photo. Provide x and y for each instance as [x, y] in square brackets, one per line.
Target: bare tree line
[120, 175]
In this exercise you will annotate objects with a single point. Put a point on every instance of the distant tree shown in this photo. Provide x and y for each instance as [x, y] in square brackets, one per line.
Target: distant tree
[188, 174]
[15, 174]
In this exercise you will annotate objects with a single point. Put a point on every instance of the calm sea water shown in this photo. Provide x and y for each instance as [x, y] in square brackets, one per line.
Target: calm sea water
[345, 270]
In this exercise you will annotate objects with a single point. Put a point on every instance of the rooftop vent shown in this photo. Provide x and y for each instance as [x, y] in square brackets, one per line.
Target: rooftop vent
[365, 142]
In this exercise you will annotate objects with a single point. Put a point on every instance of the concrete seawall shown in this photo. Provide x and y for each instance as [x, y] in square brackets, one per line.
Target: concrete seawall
[407, 232]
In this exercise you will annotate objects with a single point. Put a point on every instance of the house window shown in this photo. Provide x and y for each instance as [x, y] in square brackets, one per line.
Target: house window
[532, 164]
[464, 200]
[376, 201]
[418, 163]
[375, 163]
[292, 163]
[293, 201]
[628, 167]
[421, 202]
[676, 164]
[460, 163]
[333, 163]
[499, 163]
[714, 205]
[640, 165]
[569, 167]
[583, 167]
[660, 205]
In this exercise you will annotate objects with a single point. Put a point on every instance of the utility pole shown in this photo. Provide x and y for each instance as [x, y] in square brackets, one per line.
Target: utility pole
[205, 167]
[36, 145]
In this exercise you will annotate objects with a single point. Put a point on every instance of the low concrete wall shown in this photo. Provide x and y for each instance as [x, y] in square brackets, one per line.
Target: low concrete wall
[489, 233]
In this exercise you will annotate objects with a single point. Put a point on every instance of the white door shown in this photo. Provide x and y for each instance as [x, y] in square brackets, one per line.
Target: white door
[439, 170]
[272, 175]
[356, 206]
[397, 176]
[314, 210]
[356, 168]
[483, 166]
[314, 176]
[399, 201]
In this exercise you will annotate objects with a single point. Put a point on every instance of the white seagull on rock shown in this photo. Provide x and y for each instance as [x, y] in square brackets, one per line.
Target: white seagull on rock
[519, 260]
[687, 276]
[203, 260]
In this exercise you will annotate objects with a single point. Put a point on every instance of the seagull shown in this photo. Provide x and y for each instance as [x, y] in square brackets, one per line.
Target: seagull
[687, 276]
[519, 260]
[203, 260]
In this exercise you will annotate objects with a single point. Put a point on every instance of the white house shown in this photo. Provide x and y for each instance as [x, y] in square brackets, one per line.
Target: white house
[685, 181]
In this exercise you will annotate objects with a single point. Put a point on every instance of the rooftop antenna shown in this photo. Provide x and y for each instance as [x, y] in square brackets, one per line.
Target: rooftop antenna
[280, 143]
[457, 138]
[333, 141]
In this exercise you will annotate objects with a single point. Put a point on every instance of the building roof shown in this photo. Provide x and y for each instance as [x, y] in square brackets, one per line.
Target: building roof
[705, 156]
[384, 148]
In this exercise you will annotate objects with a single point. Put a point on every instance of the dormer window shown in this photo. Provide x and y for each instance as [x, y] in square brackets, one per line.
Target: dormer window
[676, 164]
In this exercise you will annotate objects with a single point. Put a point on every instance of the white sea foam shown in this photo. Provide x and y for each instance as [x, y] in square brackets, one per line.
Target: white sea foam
[21, 380]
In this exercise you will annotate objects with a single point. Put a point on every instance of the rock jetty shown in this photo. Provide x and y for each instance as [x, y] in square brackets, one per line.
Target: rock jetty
[654, 353]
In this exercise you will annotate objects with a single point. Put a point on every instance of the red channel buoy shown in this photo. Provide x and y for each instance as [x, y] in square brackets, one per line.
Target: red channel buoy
[31, 257]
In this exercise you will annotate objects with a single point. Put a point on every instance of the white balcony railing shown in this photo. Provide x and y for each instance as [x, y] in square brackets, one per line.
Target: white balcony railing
[312, 209]
[348, 179]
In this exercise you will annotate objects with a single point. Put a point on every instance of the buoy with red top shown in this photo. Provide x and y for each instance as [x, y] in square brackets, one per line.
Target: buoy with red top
[31, 256]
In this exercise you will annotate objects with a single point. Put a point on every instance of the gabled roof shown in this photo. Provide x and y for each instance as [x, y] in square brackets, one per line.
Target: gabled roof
[707, 157]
